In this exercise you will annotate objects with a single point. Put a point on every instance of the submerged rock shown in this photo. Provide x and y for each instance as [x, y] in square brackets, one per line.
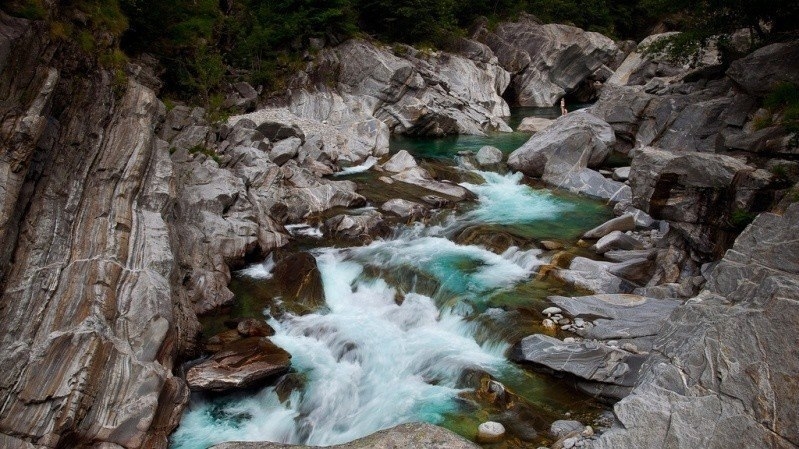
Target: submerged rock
[410, 436]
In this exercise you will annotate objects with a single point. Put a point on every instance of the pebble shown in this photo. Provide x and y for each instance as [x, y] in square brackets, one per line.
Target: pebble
[566, 327]
[569, 443]
[551, 311]
[579, 322]
[563, 321]
[613, 343]
[629, 347]
[569, 340]
[490, 432]
[548, 324]
[588, 431]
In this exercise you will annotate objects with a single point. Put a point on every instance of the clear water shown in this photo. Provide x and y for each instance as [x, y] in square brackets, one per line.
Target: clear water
[405, 318]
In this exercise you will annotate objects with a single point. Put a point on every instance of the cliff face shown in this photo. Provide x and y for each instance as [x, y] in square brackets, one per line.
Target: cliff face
[90, 325]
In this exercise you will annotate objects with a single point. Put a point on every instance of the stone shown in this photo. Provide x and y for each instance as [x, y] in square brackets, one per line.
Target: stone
[411, 436]
[254, 327]
[405, 208]
[534, 124]
[420, 177]
[617, 240]
[744, 314]
[239, 365]
[577, 140]
[490, 432]
[400, 162]
[563, 427]
[621, 174]
[623, 223]
[550, 245]
[551, 311]
[362, 228]
[759, 72]
[488, 156]
[592, 275]
[299, 280]
[284, 150]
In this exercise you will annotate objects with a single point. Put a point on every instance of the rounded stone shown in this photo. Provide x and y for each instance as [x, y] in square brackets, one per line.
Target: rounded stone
[490, 432]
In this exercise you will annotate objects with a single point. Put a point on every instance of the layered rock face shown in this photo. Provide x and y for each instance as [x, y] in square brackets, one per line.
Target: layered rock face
[724, 368]
[549, 61]
[91, 324]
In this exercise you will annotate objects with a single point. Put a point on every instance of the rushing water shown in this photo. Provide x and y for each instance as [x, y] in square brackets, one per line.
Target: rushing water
[405, 319]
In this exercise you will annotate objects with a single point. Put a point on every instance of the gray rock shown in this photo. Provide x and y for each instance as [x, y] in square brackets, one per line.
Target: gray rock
[362, 228]
[592, 275]
[420, 177]
[563, 427]
[284, 150]
[404, 208]
[616, 240]
[251, 361]
[488, 156]
[759, 72]
[621, 174]
[589, 182]
[490, 432]
[534, 124]
[720, 375]
[623, 223]
[411, 436]
[638, 271]
[400, 162]
[574, 141]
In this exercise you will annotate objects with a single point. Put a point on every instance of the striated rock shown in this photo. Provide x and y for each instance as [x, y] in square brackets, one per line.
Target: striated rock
[239, 365]
[534, 124]
[488, 156]
[616, 240]
[592, 275]
[362, 227]
[299, 280]
[577, 140]
[623, 223]
[420, 177]
[560, 58]
[284, 150]
[410, 436]
[400, 162]
[719, 375]
[253, 327]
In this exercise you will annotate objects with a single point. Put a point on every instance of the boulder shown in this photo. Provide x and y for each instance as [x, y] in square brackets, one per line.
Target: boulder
[574, 141]
[616, 240]
[621, 174]
[299, 280]
[240, 365]
[420, 177]
[723, 369]
[405, 208]
[410, 436]
[592, 275]
[563, 427]
[362, 228]
[490, 432]
[623, 223]
[488, 156]
[759, 72]
[400, 162]
[284, 150]
[534, 124]
[589, 182]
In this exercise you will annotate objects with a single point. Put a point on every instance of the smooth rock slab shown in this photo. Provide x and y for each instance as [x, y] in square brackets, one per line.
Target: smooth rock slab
[624, 223]
[617, 240]
[248, 362]
[405, 436]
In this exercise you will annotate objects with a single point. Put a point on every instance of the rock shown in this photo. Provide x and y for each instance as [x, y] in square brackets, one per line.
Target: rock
[243, 96]
[563, 427]
[624, 223]
[759, 72]
[490, 237]
[284, 150]
[595, 362]
[621, 174]
[745, 314]
[410, 436]
[362, 227]
[299, 280]
[400, 162]
[405, 209]
[490, 432]
[550, 245]
[588, 182]
[420, 177]
[560, 58]
[638, 271]
[551, 311]
[254, 327]
[534, 124]
[642, 219]
[488, 156]
[577, 140]
[240, 365]
[592, 275]
[617, 240]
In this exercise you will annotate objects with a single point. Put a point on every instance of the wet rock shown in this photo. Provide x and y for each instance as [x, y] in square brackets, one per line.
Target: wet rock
[534, 124]
[488, 156]
[299, 280]
[624, 223]
[362, 227]
[239, 365]
[254, 327]
[496, 240]
[411, 436]
[400, 162]
[420, 177]
[592, 275]
[490, 432]
[562, 427]
[551, 245]
[405, 209]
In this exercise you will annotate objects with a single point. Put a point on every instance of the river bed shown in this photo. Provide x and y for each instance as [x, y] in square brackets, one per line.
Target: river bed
[415, 326]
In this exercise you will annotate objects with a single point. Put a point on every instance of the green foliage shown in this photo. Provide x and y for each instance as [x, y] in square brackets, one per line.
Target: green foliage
[784, 100]
[199, 149]
[741, 218]
[27, 9]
